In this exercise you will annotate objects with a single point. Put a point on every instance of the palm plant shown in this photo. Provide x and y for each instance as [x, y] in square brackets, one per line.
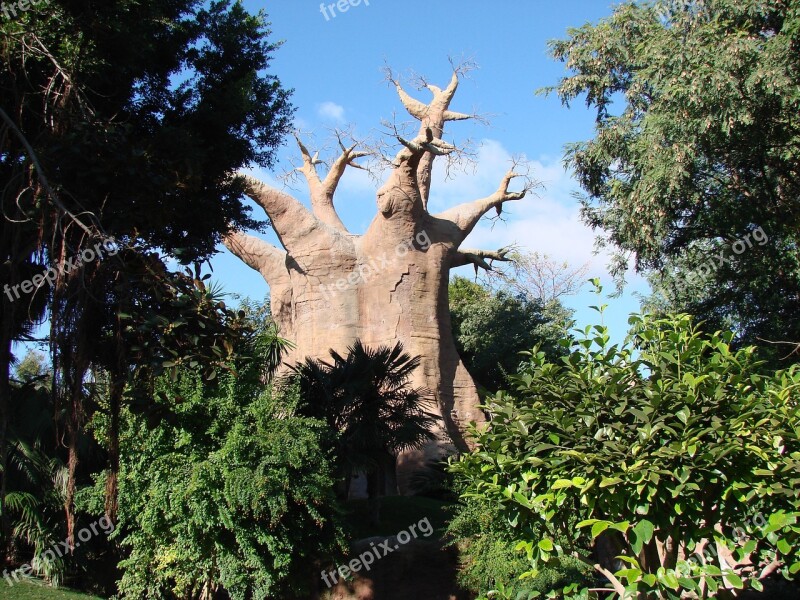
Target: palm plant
[33, 497]
[366, 397]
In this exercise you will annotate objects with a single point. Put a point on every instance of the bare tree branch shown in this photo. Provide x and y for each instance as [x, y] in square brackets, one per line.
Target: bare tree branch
[479, 258]
[432, 116]
[292, 221]
[466, 216]
[322, 191]
[537, 276]
[257, 254]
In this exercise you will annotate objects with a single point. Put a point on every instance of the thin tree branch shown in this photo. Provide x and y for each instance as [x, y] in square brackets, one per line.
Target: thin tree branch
[479, 258]
[40, 174]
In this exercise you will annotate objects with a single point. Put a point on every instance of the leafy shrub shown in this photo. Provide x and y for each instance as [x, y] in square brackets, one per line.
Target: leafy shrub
[489, 562]
[680, 457]
[234, 493]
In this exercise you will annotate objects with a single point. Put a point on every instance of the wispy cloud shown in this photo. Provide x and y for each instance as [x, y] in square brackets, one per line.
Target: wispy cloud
[330, 111]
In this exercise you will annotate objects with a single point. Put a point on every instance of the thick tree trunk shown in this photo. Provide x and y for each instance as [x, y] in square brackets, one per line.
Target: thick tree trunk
[383, 292]
[390, 298]
[330, 287]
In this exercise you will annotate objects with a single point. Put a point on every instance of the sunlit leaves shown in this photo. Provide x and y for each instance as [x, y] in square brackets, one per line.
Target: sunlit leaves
[697, 146]
[673, 435]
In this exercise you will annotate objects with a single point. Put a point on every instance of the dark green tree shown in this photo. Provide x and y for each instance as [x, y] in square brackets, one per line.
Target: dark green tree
[367, 400]
[492, 328]
[121, 120]
[694, 165]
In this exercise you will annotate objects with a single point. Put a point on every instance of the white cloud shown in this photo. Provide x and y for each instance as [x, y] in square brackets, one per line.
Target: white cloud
[547, 221]
[330, 111]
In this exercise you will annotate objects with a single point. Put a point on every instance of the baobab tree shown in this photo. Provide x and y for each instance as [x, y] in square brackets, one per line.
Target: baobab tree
[329, 287]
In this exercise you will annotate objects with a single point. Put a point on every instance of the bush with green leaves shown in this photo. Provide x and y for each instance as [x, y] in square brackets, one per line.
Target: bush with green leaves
[490, 566]
[33, 483]
[679, 454]
[230, 490]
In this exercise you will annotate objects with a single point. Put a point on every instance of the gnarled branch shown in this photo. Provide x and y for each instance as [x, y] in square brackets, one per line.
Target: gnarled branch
[436, 112]
[421, 144]
[479, 258]
[292, 221]
[257, 254]
[432, 116]
[466, 216]
[322, 191]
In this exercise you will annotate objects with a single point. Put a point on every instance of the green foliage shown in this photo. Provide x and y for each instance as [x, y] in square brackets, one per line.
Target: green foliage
[489, 562]
[366, 397]
[236, 492]
[668, 440]
[492, 328]
[697, 146]
[33, 479]
[174, 321]
[125, 122]
[157, 103]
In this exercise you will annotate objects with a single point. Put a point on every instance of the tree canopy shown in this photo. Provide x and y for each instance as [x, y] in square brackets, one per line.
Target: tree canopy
[696, 149]
[492, 328]
[122, 123]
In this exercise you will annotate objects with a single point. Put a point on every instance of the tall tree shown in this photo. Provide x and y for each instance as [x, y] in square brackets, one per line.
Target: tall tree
[330, 287]
[695, 164]
[121, 121]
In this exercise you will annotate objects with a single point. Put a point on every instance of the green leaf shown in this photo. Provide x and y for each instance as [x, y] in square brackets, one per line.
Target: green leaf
[629, 574]
[733, 580]
[784, 547]
[670, 580]
[622, 526]
[610, 481]
[561, 484]
[644, 531]
[599, 528]
[586, 523]
[546, 545]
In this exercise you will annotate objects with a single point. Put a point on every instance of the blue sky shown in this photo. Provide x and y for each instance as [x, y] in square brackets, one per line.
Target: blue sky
[335, 67]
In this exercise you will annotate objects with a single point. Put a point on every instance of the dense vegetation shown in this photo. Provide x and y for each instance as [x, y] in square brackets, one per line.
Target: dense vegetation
[670, 463]
[664, 466]
[233, 491]
[694, 165]
[491, 328]
[120, 127]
